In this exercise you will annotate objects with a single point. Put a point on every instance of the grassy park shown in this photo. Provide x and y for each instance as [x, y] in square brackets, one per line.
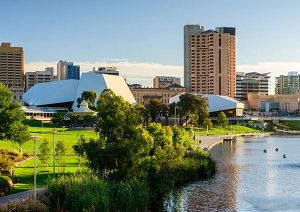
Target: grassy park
[25, 171]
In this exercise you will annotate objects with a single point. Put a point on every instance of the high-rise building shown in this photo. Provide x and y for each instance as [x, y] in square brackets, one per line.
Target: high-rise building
[251, 82]
[66, 70]
[165, 81]
[209, 60]
[106, 70]
[288, 84]
[32, 78]
[12, 69]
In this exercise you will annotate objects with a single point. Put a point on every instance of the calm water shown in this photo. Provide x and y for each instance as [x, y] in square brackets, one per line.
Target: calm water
[247, 179]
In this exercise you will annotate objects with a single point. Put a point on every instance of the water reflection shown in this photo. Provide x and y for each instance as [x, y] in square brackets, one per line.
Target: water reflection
[247, 179]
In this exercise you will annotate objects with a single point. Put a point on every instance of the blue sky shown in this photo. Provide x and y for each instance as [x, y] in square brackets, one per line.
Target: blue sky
[150, 31]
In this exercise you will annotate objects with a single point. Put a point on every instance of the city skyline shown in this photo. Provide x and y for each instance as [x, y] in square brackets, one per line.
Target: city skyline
[149, 36]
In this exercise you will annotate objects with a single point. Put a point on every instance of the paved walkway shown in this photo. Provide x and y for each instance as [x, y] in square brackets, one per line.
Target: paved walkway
[21, 195]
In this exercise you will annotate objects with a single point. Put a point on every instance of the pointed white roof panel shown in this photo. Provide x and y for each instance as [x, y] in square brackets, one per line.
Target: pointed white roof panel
[63, 91]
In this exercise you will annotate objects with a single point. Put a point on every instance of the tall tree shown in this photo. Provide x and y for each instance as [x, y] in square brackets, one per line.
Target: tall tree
[188, 106]
[154, 107]
[44, 155]
[11, 118]
[202, 112]
[222, 120]
[60, 151]
[90, 98]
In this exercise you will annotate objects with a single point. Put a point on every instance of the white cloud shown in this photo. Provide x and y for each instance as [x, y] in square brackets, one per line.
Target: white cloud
[134, 72]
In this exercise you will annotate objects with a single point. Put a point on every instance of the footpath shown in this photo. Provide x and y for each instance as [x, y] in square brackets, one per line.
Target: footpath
[207, 142]
[21, 195]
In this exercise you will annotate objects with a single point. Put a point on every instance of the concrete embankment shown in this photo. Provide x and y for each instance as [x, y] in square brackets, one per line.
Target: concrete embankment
[208, 142]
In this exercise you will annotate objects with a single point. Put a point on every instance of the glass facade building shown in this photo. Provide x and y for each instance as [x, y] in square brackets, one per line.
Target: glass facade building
[73, 72]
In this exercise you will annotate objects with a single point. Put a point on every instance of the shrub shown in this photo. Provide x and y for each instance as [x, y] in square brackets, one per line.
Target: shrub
[82, 192]
[26, 205]
[6, 185]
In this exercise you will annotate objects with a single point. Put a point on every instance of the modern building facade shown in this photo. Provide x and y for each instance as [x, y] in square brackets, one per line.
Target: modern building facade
[12, 69]
[144, 95]
[251, 82]
[64, 93]
[209, 60]
[165, 81]
[106, 70]
[32, 78]
[66, 70]
[288, 84]
[283, 104]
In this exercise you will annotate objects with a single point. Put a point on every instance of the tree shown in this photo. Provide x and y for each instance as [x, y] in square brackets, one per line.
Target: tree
[188, 106]
[58, 118]
[154, 107]
[203, 113]
[44, 155]
[222, 120]
[60, 151]
[145, 115]
[207, 123]
[11, 119]
[89, 97]
[122, 142]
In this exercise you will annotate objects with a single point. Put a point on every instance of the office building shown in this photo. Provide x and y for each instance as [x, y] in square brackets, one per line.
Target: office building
[66, 70]
[12, 69]
[165, 81]
[32, 78]
[282, 104]
[107, 70]
[251, 82]
[209, 60]
[288, 84]
[144, 95]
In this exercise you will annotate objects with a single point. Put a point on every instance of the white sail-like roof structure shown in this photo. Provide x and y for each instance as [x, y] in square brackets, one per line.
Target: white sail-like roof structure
[67, 91]
[215, 102]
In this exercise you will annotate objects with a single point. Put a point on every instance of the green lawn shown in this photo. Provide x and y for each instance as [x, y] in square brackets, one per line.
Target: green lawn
[223, 131]
[25, 171]
[293, 125]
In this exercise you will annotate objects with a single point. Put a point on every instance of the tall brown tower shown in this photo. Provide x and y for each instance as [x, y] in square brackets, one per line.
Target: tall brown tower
[209, 60]
[12, 68]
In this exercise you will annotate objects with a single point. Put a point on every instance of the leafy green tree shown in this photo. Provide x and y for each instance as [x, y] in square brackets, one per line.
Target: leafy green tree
[11, 119]
[188, 106]
[90, 98]
[145, 115]
[44, 155]
[60, 151]
[207, 123]
[222, 120]
[58, 118]
[154, 107]
[203, 113]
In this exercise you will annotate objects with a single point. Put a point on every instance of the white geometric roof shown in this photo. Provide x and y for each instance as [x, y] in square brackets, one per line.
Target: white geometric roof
[215, 102]
[62, 91]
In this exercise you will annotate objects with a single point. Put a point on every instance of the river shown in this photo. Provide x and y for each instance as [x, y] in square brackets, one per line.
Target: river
[247, 179]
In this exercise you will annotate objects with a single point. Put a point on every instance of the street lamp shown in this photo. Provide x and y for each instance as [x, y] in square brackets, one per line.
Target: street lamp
[53, 141]
[35, 138]
[175, 115]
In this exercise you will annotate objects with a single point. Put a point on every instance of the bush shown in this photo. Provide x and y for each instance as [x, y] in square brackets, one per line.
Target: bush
[26, 205]
[6, 185]
[82, 192]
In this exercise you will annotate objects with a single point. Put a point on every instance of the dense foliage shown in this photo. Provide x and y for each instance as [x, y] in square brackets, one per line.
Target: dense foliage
[11, 119]
[222, 120]
[85, 192]
[158, 157]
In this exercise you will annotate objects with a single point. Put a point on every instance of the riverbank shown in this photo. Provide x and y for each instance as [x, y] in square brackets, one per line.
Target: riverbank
[208, 142]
